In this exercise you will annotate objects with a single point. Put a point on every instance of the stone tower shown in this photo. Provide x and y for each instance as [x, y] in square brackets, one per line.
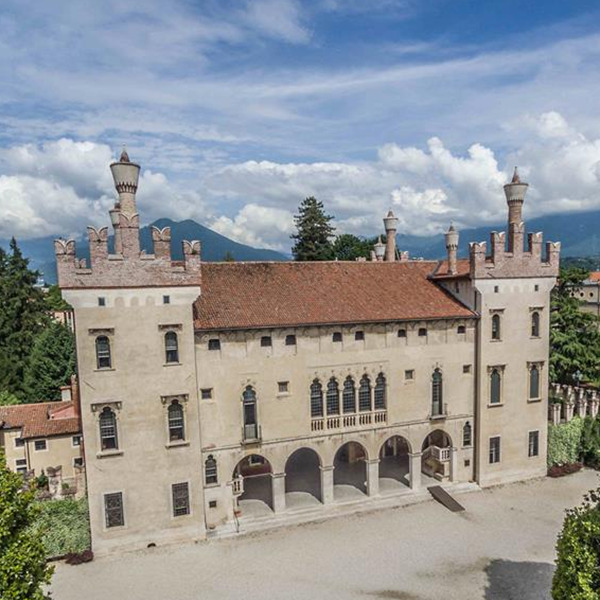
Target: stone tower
[451, 238]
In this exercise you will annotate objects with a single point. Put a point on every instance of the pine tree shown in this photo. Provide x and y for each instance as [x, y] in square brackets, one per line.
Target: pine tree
[574, 335]
[314, 232]
[51, 364]
[22, 316]
[23, 568]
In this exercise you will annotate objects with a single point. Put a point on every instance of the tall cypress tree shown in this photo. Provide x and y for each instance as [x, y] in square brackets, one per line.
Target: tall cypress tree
[22, 317]
[314, 232]
[51, 364]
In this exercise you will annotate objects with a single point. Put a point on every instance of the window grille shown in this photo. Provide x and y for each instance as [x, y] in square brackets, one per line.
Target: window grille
[349, 396]
[181, 499]
[364, 394]
[380, 392]
[176, 422]
[333, 397]
[316, 399]
[108, 430]
[103, 358]
[436, 393]
[171, 347]
[210, 470]
[494, 450]
[113, 510]
[534, 443]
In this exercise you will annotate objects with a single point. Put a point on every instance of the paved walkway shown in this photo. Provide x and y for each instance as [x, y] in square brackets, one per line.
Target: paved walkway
[501, 548]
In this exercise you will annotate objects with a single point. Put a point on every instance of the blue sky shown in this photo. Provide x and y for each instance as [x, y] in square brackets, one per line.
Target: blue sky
[237, 110]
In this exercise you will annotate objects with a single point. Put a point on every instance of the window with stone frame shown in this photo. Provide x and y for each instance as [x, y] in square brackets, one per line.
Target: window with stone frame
[113, 510]
[210, 470]
[333, 397]
[109, 439]
[380, 392]
[496, 327]
[181, 499]
[176, 421]
[467, 434]
[40, 445]
[103, 353]
[349, 396]
[316, 399]
[534, 381]
[250, 414]
[437, 393]
[534, 444]
[364, 394]
[535, 324]
[495, 386]
[494, 454]
[171, 347]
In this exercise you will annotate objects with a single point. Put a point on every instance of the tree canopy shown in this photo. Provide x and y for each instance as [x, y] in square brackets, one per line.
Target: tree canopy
[314, 232]
[23, 568]
[574, 335]
[350, 247]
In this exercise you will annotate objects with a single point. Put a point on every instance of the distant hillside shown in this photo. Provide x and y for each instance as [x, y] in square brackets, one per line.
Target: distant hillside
[214, 246]
[578, 232]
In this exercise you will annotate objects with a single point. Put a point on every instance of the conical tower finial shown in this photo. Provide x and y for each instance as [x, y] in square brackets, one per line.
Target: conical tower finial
[124, 158]
[516, 178]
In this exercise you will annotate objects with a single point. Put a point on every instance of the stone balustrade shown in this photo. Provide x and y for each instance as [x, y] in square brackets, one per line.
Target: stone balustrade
[567, 401]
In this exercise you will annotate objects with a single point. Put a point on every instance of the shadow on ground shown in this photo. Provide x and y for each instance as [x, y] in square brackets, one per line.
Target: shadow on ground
[508, 580]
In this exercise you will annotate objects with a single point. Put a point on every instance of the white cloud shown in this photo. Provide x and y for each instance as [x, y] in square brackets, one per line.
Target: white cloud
[277, 18]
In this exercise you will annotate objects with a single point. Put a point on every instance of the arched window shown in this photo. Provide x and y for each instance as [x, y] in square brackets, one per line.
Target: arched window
[103, 359]
[316, 399]
[108, 430]
[176, 425]
[364, 394]
[349, 396]
[436, 393]
[534, 382]
[495, 387]
[250, 416]
[496, 327]
[171, 347]
[380, 399]
[333, 397]
[535, 324]
[467, 434]
[210, 471]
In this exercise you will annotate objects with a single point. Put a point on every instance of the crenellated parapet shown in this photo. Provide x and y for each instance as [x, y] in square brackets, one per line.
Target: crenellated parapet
[127, 266]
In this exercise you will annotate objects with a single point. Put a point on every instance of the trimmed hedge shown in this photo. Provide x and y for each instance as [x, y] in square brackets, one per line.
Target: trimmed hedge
[564, 442]
[64, 525]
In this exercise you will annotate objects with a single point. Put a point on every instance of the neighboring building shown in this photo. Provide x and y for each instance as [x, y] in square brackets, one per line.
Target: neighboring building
[41, 436]
[589, 293]
[210, 388]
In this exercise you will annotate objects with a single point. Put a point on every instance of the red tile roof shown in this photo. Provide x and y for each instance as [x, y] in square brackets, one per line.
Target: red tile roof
[42, 419]
[463, 268]
[594, 276]
[288, 294]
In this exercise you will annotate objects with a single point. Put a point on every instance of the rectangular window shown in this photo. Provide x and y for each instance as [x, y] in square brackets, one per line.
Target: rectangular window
[422, 332]
[265, 341]
[214, 344]
[78, 461]
[212, 504]
[283, 387]
[181, 499]
[494, 450]
[206, 393]
[401, 333]
[290, 340]
[466, 368]
[113, 510]
[337, 336]
[101, 301]
[534, 443]
[76, 440]
[166, 299]
[40, 445]
[19, 442]
[21, 465]
[461, 329]
[359, 336]
[409, 374]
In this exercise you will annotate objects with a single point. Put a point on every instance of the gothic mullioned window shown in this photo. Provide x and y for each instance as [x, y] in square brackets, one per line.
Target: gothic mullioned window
[210, 470]
[496, 327]
[333, 397]
[181, 499]
[250, 414]
[380, 392]
[535, 324]
[436, 393]
[103, 356]
[364, 394]
[467, 434]
[171, 347]
[495, 387]
[349, 396]
[176, 422]
[316, 399]
[108, 430]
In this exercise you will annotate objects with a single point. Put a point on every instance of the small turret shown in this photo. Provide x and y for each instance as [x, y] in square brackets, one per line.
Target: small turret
[391, 226]
[452, 249]
[126, 175]
[515, 197]
[379, 248]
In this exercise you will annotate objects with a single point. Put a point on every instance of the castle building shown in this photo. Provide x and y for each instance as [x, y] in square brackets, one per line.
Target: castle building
[217, 392]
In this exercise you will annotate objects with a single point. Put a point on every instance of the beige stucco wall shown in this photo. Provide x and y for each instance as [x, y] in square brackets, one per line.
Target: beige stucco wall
[285, 418]
[146, 465]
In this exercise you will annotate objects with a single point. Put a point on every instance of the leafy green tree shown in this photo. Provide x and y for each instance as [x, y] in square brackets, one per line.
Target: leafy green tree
[350, 247]
[574, 335]
[314, 232]
[22, 317]
[54, 299]
[577, 576]
[51, 364]
[8, 399]
[23, 568]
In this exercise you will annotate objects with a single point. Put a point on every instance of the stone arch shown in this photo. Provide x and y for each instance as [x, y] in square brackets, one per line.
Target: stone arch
[256, 472]
[436, 455]
[303, 473]
[394, 461]
[350, 467]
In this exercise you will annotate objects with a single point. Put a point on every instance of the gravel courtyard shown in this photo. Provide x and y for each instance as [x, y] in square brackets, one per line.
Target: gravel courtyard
[501, 548]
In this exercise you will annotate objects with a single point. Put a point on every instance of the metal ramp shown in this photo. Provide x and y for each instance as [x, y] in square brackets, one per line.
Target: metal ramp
[443, 497]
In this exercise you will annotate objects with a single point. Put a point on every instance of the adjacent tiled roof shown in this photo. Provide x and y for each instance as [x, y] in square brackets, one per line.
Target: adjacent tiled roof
[286, 294]
[594, 277]
[42, 419]
[463, 267]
